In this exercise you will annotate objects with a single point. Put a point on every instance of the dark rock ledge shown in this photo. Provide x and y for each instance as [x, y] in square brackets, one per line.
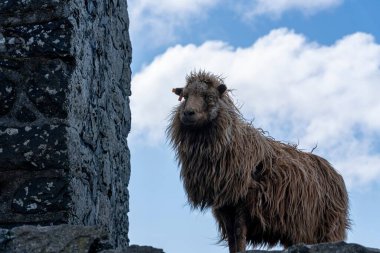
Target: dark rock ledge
[62, 239]
[338, 247]
[92, 239]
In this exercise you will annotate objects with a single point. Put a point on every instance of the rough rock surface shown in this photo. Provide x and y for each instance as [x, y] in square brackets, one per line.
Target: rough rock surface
[135, 249]
[143, 249]
[50, 239]
[338, 247]
[62, 238]
[64, 114]
[92, 239]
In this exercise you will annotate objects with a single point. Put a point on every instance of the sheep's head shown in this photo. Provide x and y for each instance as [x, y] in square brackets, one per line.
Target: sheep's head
[201, 102]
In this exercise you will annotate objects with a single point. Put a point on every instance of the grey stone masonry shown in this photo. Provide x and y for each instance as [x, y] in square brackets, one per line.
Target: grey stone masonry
[64, 114]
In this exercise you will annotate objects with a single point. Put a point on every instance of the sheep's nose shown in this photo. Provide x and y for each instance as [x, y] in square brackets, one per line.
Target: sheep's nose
[188, 113]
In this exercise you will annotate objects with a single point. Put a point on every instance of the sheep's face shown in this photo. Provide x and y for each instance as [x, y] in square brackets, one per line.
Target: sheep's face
[201, 103]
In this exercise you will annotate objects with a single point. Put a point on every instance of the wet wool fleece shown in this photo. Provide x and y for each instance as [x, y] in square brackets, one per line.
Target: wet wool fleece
[284, 195]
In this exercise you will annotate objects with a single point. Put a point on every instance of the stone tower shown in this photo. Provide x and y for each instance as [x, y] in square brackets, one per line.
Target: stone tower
[64, 114]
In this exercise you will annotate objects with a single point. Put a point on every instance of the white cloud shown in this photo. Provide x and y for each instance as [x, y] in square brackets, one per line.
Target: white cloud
[297, 90]
[277, 7]
[156, 22]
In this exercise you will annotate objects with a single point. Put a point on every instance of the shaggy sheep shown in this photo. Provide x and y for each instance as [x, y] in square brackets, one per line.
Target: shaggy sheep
[261, 191]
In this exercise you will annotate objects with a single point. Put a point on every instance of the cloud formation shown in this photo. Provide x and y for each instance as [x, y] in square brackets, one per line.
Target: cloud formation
[297, 90]
[156, 22]
[277, 7]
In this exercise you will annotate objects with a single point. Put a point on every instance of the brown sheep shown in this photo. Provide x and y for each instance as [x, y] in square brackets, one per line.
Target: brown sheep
[261, 191]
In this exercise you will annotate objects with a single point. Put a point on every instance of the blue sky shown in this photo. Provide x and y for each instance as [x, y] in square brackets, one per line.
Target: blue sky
[308, 72]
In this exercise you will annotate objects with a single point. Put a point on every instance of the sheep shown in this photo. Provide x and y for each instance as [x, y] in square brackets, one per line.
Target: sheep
[262, 192]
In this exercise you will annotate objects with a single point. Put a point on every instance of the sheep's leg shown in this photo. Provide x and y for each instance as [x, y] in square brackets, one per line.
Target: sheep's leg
[242, 237]
[232, 222]
[237, 234]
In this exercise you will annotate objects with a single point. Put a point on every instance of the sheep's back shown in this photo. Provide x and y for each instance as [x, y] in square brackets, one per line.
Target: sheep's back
[301, 198]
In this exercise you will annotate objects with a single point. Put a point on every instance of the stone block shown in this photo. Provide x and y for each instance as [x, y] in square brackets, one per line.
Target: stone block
[35, 147]
[7, 94]
[49, 39]
[14, 12]
[51, 239]
[33, 197]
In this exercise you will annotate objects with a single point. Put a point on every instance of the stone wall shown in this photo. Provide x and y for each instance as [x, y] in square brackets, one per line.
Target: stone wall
[64, 114]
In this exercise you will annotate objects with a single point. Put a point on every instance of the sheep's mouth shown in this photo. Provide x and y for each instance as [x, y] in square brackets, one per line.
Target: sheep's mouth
[195, 120]
[189, 122]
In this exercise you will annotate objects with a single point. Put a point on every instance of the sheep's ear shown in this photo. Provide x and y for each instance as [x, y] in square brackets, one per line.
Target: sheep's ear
[222, 88]
[178, 91]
